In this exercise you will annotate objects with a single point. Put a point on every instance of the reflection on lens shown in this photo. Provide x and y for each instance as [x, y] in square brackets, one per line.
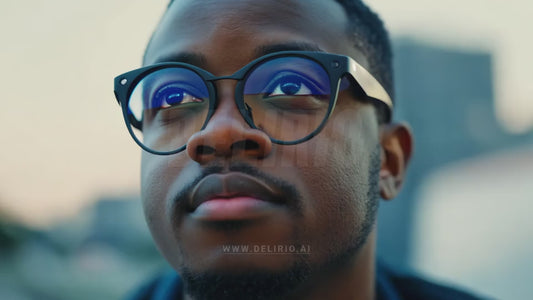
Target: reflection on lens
[171, 104]
[288, 97]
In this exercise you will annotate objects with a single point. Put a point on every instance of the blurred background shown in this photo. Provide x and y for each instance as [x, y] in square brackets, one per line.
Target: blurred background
[71, 226]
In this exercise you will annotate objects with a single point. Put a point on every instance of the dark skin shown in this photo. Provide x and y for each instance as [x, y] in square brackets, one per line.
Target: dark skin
[330, 172]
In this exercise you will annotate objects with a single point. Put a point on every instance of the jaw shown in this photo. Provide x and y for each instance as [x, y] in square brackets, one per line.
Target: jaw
[347, 276]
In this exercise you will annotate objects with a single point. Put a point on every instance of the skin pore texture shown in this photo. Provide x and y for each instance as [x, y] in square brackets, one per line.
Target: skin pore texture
[329, 186]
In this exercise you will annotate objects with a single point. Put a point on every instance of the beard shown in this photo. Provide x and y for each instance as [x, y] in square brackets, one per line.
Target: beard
[253, 284]
[270, 285]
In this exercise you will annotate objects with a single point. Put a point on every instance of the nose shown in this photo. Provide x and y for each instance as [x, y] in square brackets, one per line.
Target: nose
[227, 134]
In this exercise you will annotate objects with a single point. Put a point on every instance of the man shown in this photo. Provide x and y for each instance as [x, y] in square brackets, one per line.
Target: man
[267, 145]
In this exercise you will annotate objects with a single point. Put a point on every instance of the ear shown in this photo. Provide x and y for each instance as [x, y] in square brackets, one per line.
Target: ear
[396, 148]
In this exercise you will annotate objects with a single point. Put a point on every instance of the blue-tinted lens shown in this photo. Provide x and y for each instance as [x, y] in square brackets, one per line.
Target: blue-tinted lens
[288, 97]
[172, 104]
[288, 76]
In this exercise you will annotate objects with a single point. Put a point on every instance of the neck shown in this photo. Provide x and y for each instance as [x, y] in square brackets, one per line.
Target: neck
[355, 280]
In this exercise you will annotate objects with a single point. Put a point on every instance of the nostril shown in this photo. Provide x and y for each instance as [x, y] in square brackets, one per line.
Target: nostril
[204, 150]
[245, 145]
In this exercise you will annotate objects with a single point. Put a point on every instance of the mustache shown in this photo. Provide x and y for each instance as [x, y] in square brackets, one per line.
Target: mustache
[288, 191]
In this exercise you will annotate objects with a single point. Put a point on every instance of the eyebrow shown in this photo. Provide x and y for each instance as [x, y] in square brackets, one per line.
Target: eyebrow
[200, 60]
[191, 58]
[290, 46]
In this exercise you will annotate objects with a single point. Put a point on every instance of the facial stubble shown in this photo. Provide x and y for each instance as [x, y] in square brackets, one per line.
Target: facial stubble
[266, 285]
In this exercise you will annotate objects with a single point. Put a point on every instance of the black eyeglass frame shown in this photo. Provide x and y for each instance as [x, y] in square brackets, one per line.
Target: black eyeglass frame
[336, 66]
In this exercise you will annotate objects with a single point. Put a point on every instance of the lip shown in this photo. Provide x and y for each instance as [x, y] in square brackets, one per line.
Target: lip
[233, 196]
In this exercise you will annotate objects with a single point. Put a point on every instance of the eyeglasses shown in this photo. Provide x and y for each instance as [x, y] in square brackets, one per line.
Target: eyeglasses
[288, 95]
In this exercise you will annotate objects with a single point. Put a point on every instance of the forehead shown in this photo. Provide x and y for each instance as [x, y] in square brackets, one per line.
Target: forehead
[220, 29]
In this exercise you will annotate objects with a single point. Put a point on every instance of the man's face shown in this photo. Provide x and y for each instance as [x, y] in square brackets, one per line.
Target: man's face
[325, 188]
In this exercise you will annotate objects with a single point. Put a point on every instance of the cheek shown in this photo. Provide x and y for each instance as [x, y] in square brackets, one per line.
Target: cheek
[340, 179]
[155, 182]
[157, 176]
[337, 206]
[343, 151]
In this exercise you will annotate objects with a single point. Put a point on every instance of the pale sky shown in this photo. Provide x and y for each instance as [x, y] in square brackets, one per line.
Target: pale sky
[64, 141]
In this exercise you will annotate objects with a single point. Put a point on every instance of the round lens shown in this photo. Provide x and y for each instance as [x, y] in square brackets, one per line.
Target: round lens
[167, 107]
[288, 97]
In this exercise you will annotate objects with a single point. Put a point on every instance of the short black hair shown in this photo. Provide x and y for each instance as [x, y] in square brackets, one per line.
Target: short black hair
[369, 35]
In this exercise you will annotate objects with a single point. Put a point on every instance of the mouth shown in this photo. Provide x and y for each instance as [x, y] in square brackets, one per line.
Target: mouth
[233, 196]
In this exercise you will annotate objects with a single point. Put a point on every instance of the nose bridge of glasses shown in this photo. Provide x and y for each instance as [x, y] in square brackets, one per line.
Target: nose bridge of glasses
[221, 89]
[227, 77]
[226, 109]
[226, 89]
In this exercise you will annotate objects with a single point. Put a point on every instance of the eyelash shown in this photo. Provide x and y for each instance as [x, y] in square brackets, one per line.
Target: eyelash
[160, 97]
[292, 77]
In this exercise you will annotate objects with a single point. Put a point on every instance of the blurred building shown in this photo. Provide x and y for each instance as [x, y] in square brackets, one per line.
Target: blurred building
[102, 253]
[447, 97]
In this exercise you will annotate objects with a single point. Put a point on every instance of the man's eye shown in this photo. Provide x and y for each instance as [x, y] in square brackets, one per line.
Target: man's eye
[291, 85]
[173, 95]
